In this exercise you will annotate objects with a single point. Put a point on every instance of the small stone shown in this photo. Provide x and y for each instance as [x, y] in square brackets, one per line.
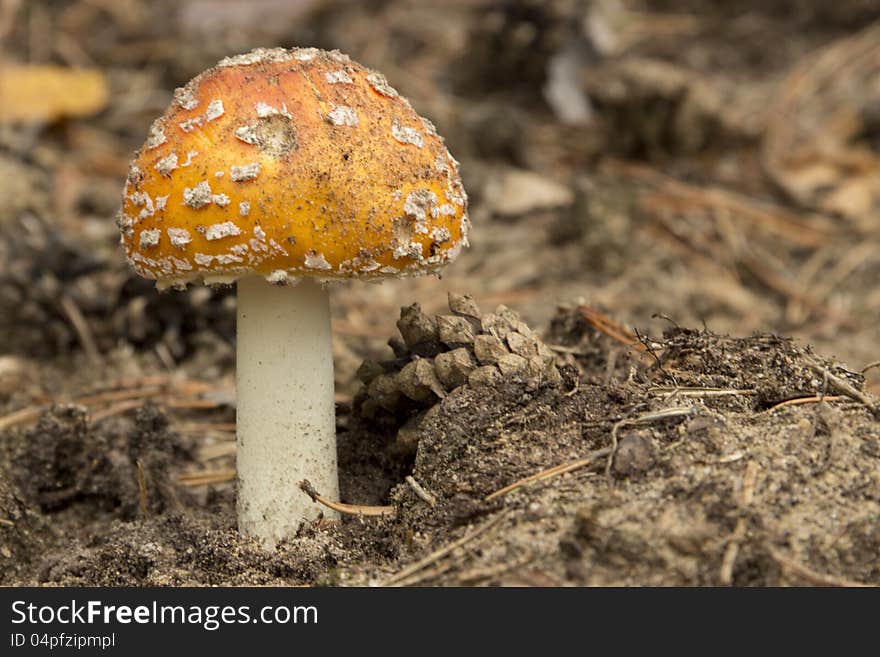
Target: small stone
[484, 376]
[510, 364]
[455, 331]
[464, 305]
[418, 381]
[635, 454]
[453, 367]
[489, 348]
[419, 332]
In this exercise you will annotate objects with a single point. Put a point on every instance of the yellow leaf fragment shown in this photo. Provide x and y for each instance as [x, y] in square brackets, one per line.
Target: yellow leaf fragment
[42, 94]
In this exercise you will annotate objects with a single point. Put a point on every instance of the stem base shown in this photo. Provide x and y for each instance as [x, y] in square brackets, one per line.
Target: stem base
[286, 417]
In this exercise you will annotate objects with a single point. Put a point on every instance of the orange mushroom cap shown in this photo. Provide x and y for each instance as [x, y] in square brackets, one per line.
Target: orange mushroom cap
[291, 163]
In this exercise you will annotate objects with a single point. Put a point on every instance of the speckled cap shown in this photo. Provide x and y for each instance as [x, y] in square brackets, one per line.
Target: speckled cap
[289, 163]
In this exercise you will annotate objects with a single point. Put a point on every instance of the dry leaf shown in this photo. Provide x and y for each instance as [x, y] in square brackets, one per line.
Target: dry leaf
[513, 192]
[39, 94]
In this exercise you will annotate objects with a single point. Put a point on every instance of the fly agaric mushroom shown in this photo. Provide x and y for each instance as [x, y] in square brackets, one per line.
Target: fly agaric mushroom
[282, 170]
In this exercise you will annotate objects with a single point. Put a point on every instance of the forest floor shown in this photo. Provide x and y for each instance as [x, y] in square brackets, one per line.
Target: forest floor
[675, 205]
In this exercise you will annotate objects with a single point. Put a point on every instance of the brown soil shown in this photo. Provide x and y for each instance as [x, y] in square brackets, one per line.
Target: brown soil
[703, 448]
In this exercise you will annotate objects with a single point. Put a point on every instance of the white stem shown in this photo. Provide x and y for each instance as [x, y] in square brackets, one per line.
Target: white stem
[286, 420]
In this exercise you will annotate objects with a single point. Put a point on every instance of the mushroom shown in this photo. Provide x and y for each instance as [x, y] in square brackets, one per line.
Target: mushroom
[281, 170]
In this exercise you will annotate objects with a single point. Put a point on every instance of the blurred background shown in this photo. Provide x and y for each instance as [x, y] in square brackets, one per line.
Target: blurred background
[717, 164]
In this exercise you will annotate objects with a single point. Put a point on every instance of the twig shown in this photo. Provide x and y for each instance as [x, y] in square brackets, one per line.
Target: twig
[806, 400]
[81, 326]
[347, 509]
[770, 217]
[869, 366]
[119, 395]
[774, 279]
[158, 388]
[216, 451]
[549, 472]
[750, 478]
[487, 572]
[700, 391]
[845, 266]
[762, 267]
[816, 83]
[165, 356]
[205, 427]
[562, 349]
[191, 404]
[142, 488]
[847, 389]
[429, 499]
[206, 477]
[116, 409]
[21, 416]
[432, 573]
[610, 328]
[442, 552]
[8, 523]
[648, 349]
[813, 577]
[136, 382]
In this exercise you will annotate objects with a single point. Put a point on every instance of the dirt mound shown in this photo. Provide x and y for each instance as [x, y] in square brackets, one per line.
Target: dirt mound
[707, 460]
[709, 483]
